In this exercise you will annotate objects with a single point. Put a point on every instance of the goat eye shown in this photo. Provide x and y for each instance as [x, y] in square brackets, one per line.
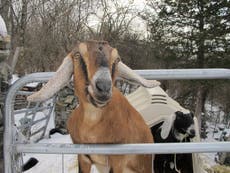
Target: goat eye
[84, 69]
[117, 60]
[113, 69]
[76, 55]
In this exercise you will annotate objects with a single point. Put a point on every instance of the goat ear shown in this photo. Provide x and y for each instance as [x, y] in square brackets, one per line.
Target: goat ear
[57, 82]
[128, 74]
[167, 126]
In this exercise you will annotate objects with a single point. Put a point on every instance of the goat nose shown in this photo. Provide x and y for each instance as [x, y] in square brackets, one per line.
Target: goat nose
[103, 85]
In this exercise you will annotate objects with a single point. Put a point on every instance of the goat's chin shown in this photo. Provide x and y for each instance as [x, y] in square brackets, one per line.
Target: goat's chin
[97, 101]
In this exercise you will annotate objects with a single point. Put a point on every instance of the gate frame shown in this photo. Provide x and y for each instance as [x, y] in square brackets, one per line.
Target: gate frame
[13, 147]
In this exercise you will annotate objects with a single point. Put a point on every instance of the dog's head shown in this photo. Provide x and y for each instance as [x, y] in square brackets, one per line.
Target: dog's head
[181, 124]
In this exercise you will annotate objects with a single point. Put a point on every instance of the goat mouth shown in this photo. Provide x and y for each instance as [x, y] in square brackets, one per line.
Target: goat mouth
[96, 102]
[97, 99]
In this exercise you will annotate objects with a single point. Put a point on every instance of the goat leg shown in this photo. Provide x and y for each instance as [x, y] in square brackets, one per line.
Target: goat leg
[132, 164]
[85, 163]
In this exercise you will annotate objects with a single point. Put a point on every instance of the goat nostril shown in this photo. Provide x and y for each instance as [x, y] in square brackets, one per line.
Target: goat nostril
[103, 86]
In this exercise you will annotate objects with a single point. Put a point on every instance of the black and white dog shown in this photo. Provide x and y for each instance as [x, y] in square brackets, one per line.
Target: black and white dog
[179, 127]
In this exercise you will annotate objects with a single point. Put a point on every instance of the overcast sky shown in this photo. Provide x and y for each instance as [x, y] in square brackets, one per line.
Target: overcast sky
[137, 24]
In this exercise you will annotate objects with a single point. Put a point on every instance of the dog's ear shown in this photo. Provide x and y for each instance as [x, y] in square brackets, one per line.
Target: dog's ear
[167, 126]
[179, 115]
[192, 115]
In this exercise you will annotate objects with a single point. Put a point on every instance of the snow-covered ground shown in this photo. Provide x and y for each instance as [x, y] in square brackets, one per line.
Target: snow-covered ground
[15, 78]
[52, 163]
[214, 134]
[49, 163]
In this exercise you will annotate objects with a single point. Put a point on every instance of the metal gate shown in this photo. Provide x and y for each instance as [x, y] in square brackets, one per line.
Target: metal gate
[20, 138]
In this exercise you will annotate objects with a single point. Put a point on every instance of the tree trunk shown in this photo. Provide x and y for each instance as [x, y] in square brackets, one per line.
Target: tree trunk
[23, 23]
[4, 8]
[22, 32]
[200, 101]
[201, 90]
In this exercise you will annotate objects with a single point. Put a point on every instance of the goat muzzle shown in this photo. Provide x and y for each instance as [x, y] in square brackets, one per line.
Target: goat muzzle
[98, 99]
[100, 88]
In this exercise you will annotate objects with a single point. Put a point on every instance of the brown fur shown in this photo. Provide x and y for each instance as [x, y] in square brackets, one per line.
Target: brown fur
[116, 123]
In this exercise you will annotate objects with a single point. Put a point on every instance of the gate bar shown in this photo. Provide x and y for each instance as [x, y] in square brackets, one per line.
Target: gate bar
[173, 74]
[156, 148]
[161, 74]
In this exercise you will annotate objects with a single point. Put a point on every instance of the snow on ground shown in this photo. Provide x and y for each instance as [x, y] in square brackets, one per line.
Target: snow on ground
[21, 117]
[52, 163]
[213, 137]
[14, 79]
[214, 130]
[48, 163]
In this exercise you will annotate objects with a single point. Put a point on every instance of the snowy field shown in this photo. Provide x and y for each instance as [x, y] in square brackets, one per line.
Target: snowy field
[214, 137]
[52, 163]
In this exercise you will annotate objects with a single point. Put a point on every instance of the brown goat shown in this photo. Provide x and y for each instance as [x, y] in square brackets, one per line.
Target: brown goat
[103, 116]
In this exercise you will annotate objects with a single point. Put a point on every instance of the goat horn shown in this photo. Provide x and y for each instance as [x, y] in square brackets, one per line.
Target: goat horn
[57, 82]
[128, 74]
